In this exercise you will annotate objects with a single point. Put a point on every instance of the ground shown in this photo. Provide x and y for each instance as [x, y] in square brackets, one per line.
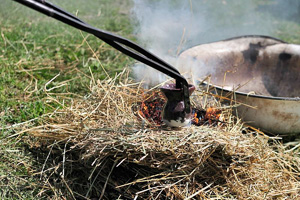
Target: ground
[34, 49]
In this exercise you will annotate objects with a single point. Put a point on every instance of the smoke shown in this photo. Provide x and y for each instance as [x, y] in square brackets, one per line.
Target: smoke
[166, 27]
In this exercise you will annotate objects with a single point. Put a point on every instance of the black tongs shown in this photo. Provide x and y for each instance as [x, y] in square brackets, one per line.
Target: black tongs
[122, 44]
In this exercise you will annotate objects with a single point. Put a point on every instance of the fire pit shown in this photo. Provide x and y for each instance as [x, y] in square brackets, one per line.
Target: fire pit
[261, 72]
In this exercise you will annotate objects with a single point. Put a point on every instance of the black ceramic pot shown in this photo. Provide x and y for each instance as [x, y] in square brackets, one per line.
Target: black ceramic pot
[174, 114]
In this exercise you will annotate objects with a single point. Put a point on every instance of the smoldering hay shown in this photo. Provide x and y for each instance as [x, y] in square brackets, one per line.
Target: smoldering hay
[119, 154]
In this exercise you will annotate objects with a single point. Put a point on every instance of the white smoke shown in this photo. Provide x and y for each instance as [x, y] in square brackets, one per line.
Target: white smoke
[166, 27]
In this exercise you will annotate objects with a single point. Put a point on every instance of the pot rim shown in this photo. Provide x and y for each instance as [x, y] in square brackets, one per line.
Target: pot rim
[253, 95]
[236, 38]
[191, 86]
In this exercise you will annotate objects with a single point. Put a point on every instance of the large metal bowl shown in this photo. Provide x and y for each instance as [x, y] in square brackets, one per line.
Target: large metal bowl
[263, 72]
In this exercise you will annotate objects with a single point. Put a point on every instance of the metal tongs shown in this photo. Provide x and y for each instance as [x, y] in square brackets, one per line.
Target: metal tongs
[122, 44]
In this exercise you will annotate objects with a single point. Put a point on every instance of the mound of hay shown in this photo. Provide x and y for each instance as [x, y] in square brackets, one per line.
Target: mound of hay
[101, 147]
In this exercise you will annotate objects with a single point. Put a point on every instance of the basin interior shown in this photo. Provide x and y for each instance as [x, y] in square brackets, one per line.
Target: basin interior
[250, 64]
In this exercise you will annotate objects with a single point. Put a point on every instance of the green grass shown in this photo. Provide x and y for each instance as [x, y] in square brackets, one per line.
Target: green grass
[34, 49]
[16, 170]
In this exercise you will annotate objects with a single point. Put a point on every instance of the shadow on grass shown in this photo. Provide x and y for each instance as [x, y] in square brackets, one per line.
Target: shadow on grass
[68, 174]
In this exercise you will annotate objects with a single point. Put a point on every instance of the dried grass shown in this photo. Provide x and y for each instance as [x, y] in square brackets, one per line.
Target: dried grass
[100, 147]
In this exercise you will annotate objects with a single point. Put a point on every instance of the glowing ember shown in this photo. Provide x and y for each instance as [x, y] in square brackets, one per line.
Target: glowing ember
[198, 117]
[152, 106]
[212, 115]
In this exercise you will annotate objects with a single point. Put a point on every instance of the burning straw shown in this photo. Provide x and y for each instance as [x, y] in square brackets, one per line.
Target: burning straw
[103, 146]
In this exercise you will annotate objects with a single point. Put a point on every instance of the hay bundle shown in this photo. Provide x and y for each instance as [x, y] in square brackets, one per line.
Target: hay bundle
[103, 148]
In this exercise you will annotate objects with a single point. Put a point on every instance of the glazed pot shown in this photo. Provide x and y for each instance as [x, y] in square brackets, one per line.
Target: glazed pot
[174, 113]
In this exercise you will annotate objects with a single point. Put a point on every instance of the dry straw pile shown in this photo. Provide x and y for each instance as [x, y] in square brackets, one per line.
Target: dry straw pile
[100, 147]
